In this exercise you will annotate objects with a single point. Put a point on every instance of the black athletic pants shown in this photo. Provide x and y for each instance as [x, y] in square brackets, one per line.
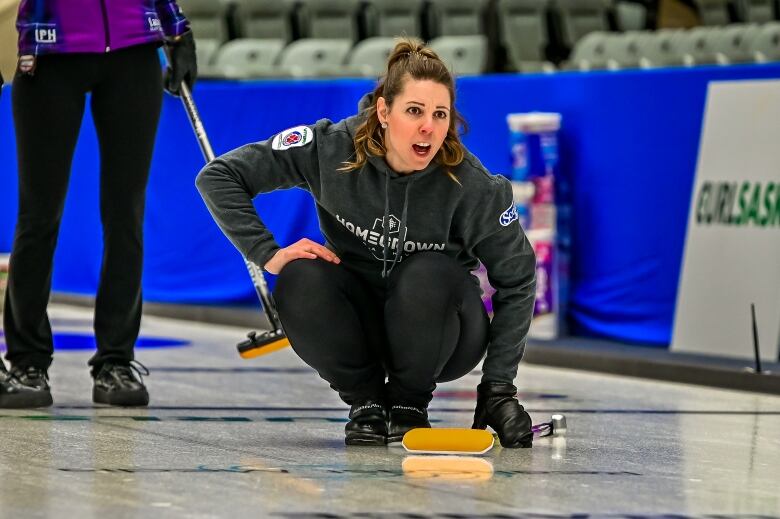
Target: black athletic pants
[428, 325]
[48, 107]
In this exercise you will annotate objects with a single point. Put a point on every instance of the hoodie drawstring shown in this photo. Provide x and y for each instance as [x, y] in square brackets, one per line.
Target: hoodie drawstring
[386, 225]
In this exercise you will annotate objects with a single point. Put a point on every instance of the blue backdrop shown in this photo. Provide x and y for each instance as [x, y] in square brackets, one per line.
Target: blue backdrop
[629, 144]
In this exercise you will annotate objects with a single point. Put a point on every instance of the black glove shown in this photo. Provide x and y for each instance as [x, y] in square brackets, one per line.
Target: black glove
[182, 63]
[498, 408]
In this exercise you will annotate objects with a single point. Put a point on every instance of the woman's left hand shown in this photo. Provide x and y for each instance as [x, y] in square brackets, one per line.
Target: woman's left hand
[497, 406]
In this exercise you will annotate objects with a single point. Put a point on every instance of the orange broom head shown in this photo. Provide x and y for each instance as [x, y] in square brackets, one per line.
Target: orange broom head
[448, 441]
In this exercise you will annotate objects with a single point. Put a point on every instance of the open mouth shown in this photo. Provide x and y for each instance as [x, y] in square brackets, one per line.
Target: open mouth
[422, 149]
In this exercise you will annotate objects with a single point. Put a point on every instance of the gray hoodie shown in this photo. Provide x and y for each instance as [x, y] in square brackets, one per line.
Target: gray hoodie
[427, 210]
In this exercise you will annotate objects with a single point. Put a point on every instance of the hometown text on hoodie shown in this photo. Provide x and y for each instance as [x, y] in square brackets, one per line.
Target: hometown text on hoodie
[425, 210]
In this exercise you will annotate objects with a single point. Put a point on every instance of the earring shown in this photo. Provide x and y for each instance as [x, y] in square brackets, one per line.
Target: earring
[384, 126]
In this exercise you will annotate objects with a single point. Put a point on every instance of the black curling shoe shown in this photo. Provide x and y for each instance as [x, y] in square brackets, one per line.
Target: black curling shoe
[117, 384]
[404, 418]
[367, 424]
[32, 390]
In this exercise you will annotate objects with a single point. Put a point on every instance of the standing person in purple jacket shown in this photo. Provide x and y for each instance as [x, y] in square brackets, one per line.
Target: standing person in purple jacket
[68, 48]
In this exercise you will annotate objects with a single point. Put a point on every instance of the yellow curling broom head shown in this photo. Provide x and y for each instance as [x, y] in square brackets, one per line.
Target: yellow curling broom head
[448, 441]
[256, 350]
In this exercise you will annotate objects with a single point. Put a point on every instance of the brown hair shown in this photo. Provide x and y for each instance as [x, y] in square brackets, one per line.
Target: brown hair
[410, 59]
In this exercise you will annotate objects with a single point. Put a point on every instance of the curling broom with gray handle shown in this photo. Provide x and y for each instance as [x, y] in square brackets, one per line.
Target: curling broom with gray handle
[257, 343]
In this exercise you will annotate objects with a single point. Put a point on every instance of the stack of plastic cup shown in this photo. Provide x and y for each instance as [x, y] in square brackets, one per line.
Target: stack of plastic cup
[533, 141]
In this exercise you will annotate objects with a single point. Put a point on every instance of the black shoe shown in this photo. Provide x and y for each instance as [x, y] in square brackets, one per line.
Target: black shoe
[32, 392]
[367, 423]
[404, 418]
[117, 384]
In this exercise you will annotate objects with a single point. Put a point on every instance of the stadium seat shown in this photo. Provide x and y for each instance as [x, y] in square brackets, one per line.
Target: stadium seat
[208, 18]
[630, 16]
[369, 57]
[699, 45]
[329, 19]
[456, 17]
[464, 55]
[312, 57]
[735, 41]
[623, 50]
[590, 53]
[248, 57]
[264, 19]
[577, 18]
[522, 31]
[713, 12]
[755, 11]
[765, 47]
[663, 48]
[205, 51]
[394, 18]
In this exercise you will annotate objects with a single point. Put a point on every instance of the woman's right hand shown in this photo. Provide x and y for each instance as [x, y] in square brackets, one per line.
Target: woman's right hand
[304, 248]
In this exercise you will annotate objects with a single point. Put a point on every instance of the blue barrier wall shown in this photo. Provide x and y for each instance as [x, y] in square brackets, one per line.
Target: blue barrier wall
[629, 144]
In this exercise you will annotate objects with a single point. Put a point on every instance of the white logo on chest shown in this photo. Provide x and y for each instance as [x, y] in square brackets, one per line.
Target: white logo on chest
[374, 238]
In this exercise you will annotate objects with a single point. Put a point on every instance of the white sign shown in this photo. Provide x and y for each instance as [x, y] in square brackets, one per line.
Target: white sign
[732, 250]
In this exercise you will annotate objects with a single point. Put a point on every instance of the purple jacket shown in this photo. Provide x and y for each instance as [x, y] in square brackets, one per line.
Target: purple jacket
[58, 26]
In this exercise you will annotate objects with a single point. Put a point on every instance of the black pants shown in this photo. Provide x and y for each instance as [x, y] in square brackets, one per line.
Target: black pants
[48, 106]
[427, 326]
